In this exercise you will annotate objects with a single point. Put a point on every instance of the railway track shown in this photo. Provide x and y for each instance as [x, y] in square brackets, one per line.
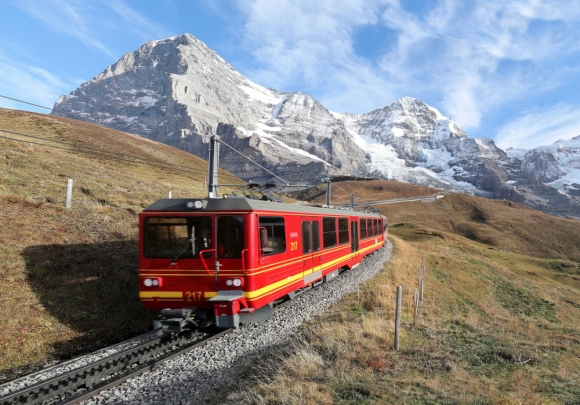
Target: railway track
[82, 383]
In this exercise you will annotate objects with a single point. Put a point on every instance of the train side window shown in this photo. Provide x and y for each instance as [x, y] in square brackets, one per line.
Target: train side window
[342, 231]
[230, 236]
[275, 233]
[315, 236]
[363, 228]
[376, 227]
[305, 237]
[369, 228]
[329, 232]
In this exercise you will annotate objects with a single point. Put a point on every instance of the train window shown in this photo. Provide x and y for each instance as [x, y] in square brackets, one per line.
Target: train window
[363, 228]
[342, 231]
[276, 234]
[305, 237]
[166, 237]
[329, 232]
[315, 236]
[369, 228]
[375, 227]
[230, 236]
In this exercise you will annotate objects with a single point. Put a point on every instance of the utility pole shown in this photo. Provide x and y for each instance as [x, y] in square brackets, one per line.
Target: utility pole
[328, 191]
[214, 164]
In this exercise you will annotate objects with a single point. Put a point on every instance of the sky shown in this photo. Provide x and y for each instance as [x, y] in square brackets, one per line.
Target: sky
[503, 70]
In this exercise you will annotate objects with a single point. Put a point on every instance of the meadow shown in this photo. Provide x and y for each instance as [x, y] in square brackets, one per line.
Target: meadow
[498, 324]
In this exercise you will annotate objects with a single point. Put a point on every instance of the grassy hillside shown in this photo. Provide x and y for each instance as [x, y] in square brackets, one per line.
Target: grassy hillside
[499, 323]
[69, 275]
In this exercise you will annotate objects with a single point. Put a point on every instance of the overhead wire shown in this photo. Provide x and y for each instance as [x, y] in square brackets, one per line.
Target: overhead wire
[84, 118]
[97, 152]
[334, 184]
[254, 162]
[96, 122]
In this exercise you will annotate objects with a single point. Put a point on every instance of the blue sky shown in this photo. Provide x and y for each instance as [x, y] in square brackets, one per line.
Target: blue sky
[508, 71]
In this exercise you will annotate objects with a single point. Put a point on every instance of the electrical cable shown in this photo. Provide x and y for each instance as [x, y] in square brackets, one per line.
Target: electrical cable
[99, 123]
[251, 160]
[97, 152]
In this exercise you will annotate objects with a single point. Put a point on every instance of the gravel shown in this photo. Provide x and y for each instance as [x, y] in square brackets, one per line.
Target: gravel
[193, 377]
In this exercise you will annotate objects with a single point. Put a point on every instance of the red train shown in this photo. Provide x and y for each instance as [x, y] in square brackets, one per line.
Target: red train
[228, 260]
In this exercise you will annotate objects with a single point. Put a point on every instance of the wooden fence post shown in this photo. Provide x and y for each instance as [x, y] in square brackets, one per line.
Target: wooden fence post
[416, 307]
[398, 316]
[69, 190]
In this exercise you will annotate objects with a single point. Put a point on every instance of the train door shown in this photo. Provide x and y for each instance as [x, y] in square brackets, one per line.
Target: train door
[307, 253]
[230, 257]
[316, 255]
[354, 239]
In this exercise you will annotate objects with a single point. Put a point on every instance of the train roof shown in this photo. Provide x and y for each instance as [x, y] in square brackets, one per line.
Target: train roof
[245, 204]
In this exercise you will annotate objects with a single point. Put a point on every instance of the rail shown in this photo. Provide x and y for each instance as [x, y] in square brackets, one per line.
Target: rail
[97, 376]
[425, 198]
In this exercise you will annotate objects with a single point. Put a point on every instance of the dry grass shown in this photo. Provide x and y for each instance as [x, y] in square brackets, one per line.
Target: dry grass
[69, 275]
[498, 326]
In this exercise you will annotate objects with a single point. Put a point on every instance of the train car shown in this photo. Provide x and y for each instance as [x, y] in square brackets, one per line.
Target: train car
[226, 261]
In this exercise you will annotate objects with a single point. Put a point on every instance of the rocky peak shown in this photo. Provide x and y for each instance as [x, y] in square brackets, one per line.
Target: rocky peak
[180, 92]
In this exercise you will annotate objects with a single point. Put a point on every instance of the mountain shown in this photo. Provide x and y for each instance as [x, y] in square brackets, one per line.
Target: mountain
[180, 92]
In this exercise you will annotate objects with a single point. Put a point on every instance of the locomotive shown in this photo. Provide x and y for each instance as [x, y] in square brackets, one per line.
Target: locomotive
[227, 261]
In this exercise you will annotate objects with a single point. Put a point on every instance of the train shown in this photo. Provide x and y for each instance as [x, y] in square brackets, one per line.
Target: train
[227, 261]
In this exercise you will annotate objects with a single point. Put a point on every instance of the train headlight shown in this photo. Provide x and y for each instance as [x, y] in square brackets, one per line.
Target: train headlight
[194, 205]
[234, 282]
[153, 282]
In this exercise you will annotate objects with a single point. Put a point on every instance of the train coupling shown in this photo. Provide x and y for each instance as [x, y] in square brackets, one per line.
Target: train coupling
[175, 321]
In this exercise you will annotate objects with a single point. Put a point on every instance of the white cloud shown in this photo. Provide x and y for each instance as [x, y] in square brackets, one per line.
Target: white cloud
[40, 86]
[487, 53]
[466, 58]
[91, 23]
[539, 128]
[305, 44]
[76, 19]
[137, 22]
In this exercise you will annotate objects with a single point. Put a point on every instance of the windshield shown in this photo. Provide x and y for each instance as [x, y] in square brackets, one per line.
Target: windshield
[170, 237]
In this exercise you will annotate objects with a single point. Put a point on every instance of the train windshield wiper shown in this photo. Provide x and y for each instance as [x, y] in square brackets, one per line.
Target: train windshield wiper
[192, 241]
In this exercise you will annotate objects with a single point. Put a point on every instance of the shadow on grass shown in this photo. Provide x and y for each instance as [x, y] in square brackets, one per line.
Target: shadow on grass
[91, 288]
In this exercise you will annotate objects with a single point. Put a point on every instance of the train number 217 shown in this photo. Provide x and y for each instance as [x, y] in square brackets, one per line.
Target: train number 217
[193, 295]
[293, 245]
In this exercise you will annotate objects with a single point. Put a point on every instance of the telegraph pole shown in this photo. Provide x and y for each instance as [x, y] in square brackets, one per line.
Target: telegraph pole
[214, 164]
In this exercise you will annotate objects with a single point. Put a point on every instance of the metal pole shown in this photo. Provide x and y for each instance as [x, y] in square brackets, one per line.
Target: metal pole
[214, 156]
[69, 193]
[398, 316]
[328, 191]
[352, 201]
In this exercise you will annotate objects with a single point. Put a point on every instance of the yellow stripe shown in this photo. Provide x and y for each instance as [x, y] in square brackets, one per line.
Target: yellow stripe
[160, 294]
[252, 295]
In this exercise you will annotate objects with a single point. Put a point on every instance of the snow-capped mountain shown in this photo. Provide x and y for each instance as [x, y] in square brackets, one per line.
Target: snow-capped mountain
[557, 165]
[180, 92]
